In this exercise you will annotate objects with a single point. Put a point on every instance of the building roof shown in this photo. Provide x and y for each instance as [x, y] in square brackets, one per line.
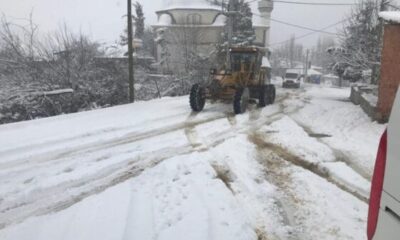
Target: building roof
[390, 16]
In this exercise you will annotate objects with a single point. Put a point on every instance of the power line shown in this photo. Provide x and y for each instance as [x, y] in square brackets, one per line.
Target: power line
[315, 4]
[305, 28]
[308, 34]
[297, 26]
[308, 3]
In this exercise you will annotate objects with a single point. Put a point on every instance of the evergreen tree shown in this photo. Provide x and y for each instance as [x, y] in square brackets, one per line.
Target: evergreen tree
[243, 30]
[139, 25]
[139, 21]
[288, 55]
[319, 56]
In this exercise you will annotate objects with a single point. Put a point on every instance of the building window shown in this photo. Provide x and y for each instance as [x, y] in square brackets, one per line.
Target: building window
[194, 19]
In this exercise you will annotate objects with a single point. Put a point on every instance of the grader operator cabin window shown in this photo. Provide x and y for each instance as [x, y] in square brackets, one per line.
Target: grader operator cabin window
[242, 59]
[194, 19]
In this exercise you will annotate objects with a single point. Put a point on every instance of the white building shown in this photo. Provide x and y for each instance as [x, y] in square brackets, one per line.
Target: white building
[197, 25]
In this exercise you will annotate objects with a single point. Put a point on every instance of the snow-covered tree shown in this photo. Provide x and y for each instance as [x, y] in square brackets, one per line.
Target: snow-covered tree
[149, 44]
[242, 28]
[243, 31]
[319, 56]
[288, 55]
[163, 42]
[361, 45]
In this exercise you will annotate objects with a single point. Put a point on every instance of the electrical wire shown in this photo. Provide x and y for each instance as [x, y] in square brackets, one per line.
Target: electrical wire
[315, 4]
[309, 34]
[308, 3]
[297, 26]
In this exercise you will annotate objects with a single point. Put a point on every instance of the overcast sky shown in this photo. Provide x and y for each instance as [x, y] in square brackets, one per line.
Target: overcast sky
[102, 19]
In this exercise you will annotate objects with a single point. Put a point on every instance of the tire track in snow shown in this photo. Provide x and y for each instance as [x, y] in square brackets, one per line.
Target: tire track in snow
[66, 194]
[62, 141]
[192, 135]
[340, 156]
[92, 147]
[276, 175]
[17, 211]
[315, 168]
[224, 173]
[62, 196]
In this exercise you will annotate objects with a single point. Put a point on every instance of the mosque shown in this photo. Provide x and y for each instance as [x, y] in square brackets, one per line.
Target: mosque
[199, 24]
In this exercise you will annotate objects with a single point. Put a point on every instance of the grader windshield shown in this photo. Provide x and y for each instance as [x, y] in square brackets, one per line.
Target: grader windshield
[243, 61]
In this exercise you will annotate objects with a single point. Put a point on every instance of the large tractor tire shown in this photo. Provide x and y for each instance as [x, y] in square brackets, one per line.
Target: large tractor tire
[263, 97]
[197, 98]
[267, 95]
[271, 94]
[241, 100]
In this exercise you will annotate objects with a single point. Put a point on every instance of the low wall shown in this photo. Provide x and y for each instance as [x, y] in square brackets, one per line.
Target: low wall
[366, 97]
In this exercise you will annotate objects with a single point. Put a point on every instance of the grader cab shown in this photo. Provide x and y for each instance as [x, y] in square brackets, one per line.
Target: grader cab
[244, 78]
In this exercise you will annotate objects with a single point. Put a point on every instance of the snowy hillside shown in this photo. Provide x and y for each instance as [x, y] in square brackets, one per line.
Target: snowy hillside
[298, 169]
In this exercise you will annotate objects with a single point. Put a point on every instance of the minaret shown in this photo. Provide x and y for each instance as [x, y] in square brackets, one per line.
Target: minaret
[265, 7]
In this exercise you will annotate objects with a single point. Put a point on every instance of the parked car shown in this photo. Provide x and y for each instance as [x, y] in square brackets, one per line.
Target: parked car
[292, 78]
[384, 209]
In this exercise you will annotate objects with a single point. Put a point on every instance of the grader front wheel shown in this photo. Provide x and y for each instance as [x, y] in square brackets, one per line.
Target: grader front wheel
[271, 94]
[241, 100]
[267, 95]
[197, 98]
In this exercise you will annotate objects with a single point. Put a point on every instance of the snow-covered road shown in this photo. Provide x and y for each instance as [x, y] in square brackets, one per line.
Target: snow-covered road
[298, 169]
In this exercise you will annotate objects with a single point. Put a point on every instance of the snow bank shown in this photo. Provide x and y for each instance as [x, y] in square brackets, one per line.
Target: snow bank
[326, 208]
[371, 98]
[352, 131]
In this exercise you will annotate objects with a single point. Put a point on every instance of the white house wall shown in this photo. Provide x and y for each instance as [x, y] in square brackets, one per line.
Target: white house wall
[207, 16]
[205, 33]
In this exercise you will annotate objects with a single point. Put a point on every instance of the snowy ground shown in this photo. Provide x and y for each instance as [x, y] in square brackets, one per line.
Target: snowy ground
[298, 169]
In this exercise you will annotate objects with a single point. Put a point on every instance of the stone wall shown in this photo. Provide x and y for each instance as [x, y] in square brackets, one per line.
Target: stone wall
[366, 97]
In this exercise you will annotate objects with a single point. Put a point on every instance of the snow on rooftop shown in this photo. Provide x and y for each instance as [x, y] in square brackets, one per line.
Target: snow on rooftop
[390, 16]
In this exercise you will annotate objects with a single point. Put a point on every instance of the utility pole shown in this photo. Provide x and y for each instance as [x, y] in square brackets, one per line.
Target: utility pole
[231, 11]
[306, 69]
[130, 54]
[230, 34]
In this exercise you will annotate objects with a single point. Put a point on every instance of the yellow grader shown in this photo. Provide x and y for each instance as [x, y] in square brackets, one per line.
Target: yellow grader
[247, 79]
